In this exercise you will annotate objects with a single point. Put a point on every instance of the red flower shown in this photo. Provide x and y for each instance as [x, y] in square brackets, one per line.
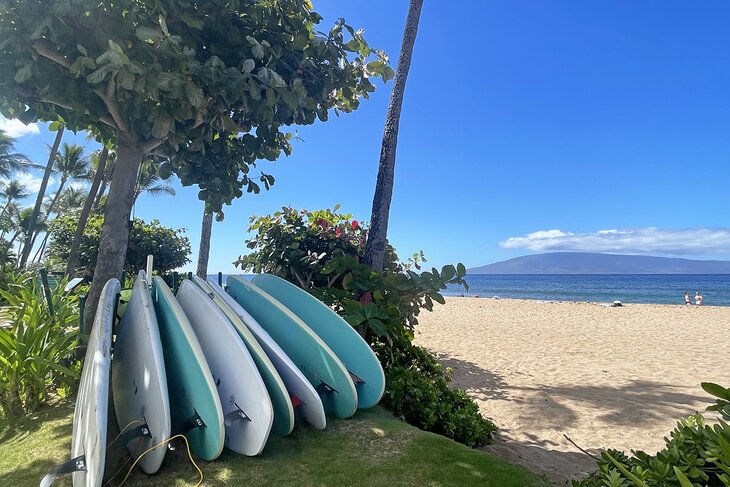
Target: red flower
[355, 225]
[338, 232]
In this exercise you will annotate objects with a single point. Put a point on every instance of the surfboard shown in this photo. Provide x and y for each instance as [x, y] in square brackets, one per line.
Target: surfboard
[192, 392]
[88, 439]
[247, 408]
[139, 381]
[309, 405]
[348, 345]
[311, 355]
[282, 404]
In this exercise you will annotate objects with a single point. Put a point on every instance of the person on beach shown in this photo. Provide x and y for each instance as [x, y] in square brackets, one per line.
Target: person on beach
[698, 298]
[687, 301]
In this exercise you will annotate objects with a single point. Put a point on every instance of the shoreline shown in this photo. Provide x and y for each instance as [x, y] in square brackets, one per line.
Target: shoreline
[607, 377]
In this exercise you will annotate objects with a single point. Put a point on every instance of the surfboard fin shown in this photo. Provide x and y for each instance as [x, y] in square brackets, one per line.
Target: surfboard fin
[296, 401]
[236, 415]
[77, 464]
[355, 379]
[194, 421]
[123, 439]
[324, 388]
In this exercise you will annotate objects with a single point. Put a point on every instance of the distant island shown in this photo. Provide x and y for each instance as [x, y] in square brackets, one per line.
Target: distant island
[594, 263]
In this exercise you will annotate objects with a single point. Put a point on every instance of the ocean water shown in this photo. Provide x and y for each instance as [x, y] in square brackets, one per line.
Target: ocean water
[627, 288]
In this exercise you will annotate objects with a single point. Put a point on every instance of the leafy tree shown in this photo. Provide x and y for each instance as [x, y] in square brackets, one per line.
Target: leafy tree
[174, 78]
[27, 244]
[377, 238]
[169, 246]
[13, 190]
[9, 161]
[204, 248]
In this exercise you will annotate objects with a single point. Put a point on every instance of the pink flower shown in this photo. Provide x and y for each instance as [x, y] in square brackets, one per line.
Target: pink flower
[366, 298]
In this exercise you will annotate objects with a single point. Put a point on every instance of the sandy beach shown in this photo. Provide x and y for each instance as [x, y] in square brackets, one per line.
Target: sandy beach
[605, 377]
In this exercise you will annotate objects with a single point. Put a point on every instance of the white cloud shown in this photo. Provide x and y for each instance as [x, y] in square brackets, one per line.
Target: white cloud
[650, 240]
[31, 182]
[15, 128]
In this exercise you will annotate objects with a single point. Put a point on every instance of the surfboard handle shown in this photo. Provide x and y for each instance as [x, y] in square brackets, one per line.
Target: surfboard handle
[77, 464]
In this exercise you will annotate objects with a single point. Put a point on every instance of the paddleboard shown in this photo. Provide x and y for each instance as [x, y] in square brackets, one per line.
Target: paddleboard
[88, 440]
[348, 345]
[190, 383]
[311, 355]
[309, 405]
[246, 404]
[282, 404]
[139, 383]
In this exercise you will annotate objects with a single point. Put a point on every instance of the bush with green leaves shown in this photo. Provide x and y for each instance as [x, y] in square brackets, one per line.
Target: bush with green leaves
[696, 453]
[37, 351]
[321, 251]
[170, 248]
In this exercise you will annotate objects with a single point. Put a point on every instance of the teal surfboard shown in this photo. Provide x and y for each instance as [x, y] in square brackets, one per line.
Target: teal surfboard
[283, 410]
[314, 358]
[348, 345]
[189, 380]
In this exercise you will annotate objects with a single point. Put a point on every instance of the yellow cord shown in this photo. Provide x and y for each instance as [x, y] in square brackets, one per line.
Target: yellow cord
[187, 446]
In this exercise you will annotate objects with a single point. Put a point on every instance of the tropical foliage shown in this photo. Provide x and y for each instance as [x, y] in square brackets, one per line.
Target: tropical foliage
[697, 452]
[321, 251]
[169, 246]
[37, 351]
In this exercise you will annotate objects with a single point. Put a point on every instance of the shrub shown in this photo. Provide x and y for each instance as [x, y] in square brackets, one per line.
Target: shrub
[170, 248]
[320, 251]
[695, 453]
[37, 352]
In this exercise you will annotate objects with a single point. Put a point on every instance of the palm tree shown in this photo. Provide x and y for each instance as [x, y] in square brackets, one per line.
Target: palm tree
[378, 233]
[28, 244]
[105, 178]
[72, 166]
[9, 161]
[150, 182]
[13, 190]
[98, 164]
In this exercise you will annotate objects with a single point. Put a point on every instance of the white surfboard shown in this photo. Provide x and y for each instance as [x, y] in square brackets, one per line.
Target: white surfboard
[88, 440]
[310, 407]
[139, 382]
[247, 407]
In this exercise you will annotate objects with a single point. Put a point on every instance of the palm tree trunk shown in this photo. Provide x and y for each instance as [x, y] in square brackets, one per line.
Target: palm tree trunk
[41, 193]
[115, 230]
[73, 255]
[41, 249]
[102, 190]
[55, 197]
[5, 208]
[377, 235]
[204, 251]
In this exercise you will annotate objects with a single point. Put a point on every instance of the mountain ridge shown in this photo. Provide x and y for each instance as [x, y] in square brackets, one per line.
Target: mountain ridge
[600, 263]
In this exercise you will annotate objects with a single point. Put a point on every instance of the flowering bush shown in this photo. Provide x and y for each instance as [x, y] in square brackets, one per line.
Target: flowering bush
[321, 251]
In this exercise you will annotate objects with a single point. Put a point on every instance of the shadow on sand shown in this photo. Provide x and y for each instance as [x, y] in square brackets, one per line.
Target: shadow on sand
[636, 402]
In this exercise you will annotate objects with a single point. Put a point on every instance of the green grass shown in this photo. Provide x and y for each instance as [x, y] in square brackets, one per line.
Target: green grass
[371, 449]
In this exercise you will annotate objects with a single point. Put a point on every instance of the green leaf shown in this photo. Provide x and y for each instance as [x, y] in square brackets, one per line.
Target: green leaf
[195, 95]
[146, 34]
[23, 74]
[378, 327]
[194, 22]
[460, 270]
[82, 49]
[162, 126]
[716, 390]
[683, 480]
[248, 65]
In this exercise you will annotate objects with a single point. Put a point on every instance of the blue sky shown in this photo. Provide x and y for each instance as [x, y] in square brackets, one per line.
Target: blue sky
[527, 126]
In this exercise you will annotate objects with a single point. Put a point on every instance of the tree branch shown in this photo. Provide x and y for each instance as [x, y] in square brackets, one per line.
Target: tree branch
[44, 49]
[111, 103]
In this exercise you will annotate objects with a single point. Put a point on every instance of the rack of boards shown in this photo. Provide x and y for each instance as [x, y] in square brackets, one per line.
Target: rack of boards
[213, 368]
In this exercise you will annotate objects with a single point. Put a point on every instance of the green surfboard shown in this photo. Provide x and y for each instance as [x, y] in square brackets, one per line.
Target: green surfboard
[313, 357]
[189, 380]
[342, 338]
[283, 410]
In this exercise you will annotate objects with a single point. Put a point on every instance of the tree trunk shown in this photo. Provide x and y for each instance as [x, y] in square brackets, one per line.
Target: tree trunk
[41, 249]
[115, 230]
[39, 199]
[102, 190]
[204, 250]
[73, 255]
[55, 197]
[378, 233]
